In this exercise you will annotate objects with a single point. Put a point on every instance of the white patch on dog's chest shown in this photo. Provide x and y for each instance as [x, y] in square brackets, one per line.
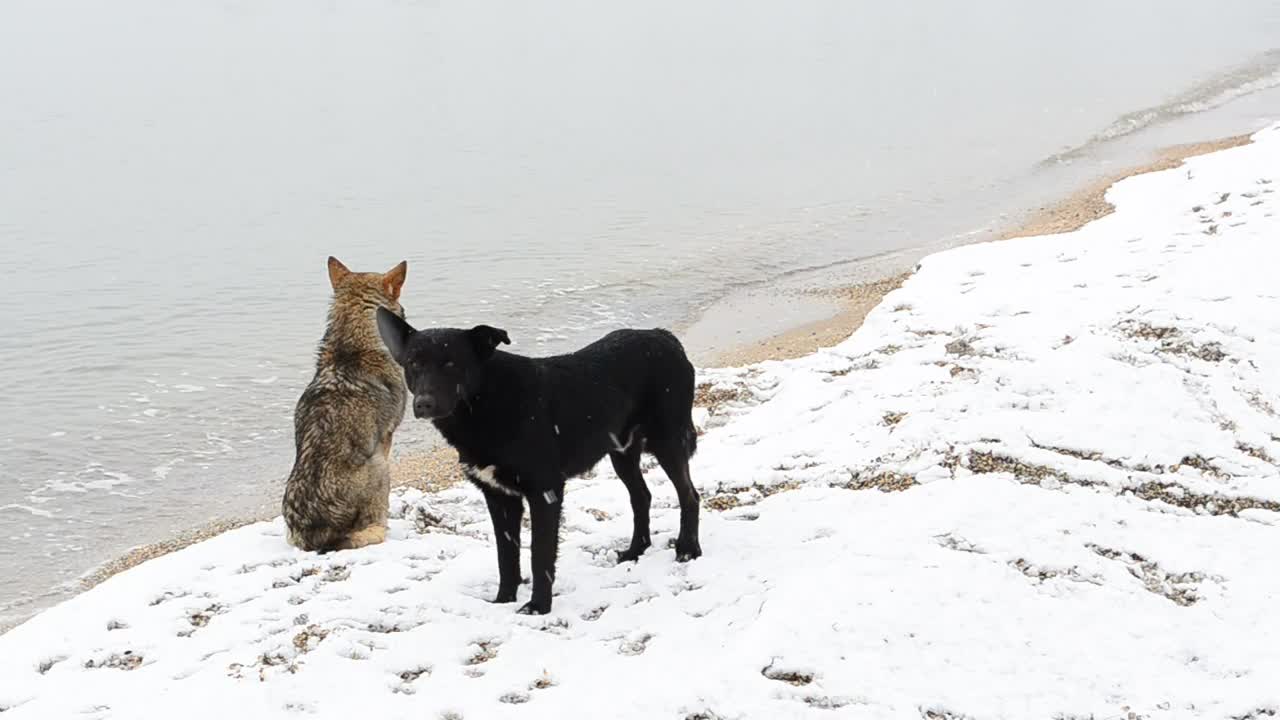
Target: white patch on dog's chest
[486, 476]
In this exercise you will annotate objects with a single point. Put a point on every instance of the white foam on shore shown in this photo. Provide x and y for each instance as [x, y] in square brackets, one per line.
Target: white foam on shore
[1260, 75]
[93, 476]
[1085, 429]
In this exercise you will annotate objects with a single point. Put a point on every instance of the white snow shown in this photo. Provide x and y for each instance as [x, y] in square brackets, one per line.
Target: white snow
[1046, 406]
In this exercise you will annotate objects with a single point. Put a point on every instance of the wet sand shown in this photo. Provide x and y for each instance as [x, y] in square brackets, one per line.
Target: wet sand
[1090, 203]
[1070, 214]
[855, 301]
[438, 469]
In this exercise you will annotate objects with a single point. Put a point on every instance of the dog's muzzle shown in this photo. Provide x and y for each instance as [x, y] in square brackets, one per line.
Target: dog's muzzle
[425, 407]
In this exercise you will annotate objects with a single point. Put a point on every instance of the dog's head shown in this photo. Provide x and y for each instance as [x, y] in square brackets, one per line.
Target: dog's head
[441, 365]
[380, 289]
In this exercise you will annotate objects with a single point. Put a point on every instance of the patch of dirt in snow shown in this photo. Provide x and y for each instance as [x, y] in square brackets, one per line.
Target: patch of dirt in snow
[201, 618]
[1171, 341]
[127, 660]
[799, 678]
[959, 544]
[264, 663]
[720, 503]
[885, 481]
[1203, 465]
[486, 650]
[425, 521]
[1258, 714]
[1255, 452]
[1175, 494]
[409, 676]
[543, 682]
[981, 462]
[336, 573]
[943, 714]
[1177, 587]
[715, 397]
[730, 497]
[1042, 573]
[893, 418]
[309, 638]
[825, 702]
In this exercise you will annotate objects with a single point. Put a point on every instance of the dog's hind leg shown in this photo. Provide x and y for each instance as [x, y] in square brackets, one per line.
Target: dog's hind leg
[544, 513]
[627, 465]
[675, 463]
[506, 511]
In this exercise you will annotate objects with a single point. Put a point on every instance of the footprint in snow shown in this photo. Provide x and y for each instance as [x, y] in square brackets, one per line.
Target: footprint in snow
[411, 675]
[408, 677]
[788, 675]
[543, 682]
[167, 596]
[47, 664]
[486, 650]
[635, 645]
[684, 586]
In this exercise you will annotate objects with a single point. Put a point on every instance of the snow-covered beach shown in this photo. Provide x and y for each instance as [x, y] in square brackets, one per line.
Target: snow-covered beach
[1040, 481]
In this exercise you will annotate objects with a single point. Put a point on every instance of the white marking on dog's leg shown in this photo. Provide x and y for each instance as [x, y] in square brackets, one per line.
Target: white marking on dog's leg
[550, 497]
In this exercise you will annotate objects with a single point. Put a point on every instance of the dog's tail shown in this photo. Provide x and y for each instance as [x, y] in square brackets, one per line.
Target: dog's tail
[690, 440]
[684, 402]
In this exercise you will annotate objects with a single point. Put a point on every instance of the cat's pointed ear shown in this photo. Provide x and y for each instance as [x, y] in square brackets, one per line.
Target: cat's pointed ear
[485, 340]
[337, 272]
[395, 332]
[393, 280]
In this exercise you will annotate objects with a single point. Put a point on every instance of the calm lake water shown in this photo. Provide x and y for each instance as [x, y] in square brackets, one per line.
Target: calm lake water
[173, 174]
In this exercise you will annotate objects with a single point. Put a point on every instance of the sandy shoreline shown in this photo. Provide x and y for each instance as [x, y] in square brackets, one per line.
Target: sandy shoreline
[437, 469]
[1071, 213]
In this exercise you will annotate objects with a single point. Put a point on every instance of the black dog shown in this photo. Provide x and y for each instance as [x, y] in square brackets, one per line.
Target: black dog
[522, 426]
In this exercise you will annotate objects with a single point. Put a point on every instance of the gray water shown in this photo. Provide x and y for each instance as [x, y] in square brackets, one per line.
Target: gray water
[173, 174]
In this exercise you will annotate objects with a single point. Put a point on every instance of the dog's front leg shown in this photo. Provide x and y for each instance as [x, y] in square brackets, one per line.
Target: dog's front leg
[544, 514]
[506, 512]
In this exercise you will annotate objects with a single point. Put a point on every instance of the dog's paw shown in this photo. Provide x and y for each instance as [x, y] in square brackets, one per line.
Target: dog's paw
[505, 596]
[687, 550]
[534, 607]
[630, 555]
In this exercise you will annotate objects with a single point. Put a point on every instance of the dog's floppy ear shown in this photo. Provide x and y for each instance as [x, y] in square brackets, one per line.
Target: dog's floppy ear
[393, 280]
[337, 272]
[486, 339]
[395, 333]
